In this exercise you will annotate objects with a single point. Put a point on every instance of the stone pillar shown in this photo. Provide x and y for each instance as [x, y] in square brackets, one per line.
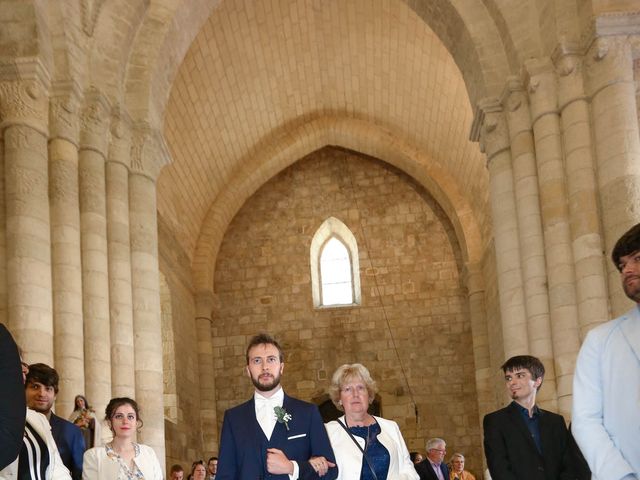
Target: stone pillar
[148, 156]
[120, 296]
[65, 245]
[93, 221]
[609, 73]
[208, 425]
[495, 143]
[586, 240]
[24, 127]
[555, 221]
[472, 277]
[532, 255]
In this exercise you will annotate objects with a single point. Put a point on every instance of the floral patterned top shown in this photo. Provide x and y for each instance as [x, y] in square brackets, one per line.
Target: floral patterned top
[125, 473]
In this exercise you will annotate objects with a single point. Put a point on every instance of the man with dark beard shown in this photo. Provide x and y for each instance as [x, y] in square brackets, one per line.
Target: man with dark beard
[273, 435]
[606, 384]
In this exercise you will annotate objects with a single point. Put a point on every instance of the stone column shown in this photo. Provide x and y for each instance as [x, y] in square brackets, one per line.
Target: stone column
[208, 425]
[495, 143]
[120, 296]
[95, 271]
[586, 240]
[555, 221]
[24, 127]
[525, 178]
[472, 277]
[609, 73]
[65, 245]
[148, 156]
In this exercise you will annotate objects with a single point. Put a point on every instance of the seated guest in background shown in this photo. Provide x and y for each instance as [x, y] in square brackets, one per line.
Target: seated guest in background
[198, 471]
[39, 457]
[434, 467]
[212, 468]
[457, 471]
[41, 389]
[122, 458]
[12, 403]
[84, 417]
[176, 472]
[416, 457]
[362, 443]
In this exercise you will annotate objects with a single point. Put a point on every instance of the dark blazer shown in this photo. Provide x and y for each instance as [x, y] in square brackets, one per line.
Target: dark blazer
[425, 470]
[13, 408]
[70, 444]
[243, 445]
[511, 452]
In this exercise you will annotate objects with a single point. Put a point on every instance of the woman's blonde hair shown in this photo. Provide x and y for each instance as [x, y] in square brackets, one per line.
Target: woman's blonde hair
[348, 372]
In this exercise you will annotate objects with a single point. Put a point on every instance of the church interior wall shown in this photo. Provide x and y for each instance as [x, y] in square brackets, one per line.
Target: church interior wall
[183, 441]
[409, 263]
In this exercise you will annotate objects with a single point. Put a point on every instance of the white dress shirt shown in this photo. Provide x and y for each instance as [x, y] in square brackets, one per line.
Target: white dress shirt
[266, 416]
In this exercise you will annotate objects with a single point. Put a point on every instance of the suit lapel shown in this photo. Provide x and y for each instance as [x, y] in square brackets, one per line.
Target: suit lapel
[630, 328]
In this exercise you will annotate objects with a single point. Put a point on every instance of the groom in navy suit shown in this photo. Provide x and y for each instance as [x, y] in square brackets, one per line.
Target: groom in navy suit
[273, 436]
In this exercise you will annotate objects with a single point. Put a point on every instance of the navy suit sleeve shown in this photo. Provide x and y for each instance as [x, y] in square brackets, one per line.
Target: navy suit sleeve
[13, 409]
[227, 467]
[495, 449]
[320, 446]
[77, 452]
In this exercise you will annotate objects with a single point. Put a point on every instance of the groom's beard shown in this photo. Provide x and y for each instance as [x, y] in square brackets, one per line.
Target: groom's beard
[266, 386]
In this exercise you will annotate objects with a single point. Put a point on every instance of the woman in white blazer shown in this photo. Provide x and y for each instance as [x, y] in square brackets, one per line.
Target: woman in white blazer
[361, 442]
[122, 458]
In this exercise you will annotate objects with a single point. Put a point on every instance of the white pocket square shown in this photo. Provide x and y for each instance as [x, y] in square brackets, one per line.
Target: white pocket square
[297, 436]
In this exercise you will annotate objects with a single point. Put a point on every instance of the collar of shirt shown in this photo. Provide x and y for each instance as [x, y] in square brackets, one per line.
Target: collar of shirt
[525, 412]
[274, 400]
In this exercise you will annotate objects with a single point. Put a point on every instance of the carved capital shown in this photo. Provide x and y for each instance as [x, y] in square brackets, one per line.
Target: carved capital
[568, 61]
[540, 79]
[64, 111]
[95, 120]
[24, 86]
[90, 9]
[516, 104]
[121, 138]
[609, 60]
[149, 151]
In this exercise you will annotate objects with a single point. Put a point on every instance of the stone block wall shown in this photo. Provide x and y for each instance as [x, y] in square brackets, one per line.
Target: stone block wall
[412, 329]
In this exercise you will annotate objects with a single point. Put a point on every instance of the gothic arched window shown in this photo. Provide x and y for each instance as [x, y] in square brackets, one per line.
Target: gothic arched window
[335, 268]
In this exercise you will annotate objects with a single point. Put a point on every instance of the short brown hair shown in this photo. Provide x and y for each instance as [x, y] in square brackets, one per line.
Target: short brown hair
[264, 339]
[528, 362]
[628, 243]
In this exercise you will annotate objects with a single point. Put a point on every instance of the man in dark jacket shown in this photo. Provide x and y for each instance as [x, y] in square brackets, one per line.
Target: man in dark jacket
[12, 402]
[522, 441]
[41, 389]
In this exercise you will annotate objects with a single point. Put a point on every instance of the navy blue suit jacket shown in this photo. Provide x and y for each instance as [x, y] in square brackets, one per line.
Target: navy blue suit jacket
[70, 444]
[243, 444]
[425, 470]
[13, 408]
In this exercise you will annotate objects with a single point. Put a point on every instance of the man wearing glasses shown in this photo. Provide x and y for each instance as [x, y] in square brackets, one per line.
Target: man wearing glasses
[522, 441]
[434, 467]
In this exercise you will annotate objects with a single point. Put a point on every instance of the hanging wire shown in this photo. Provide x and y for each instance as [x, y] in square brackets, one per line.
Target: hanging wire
[379, 293]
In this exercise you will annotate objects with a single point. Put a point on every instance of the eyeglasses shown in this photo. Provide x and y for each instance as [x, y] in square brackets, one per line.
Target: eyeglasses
[442, 451]
[353, 389]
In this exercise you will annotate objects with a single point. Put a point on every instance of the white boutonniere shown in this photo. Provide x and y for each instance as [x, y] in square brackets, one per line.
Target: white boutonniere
[282, 416]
